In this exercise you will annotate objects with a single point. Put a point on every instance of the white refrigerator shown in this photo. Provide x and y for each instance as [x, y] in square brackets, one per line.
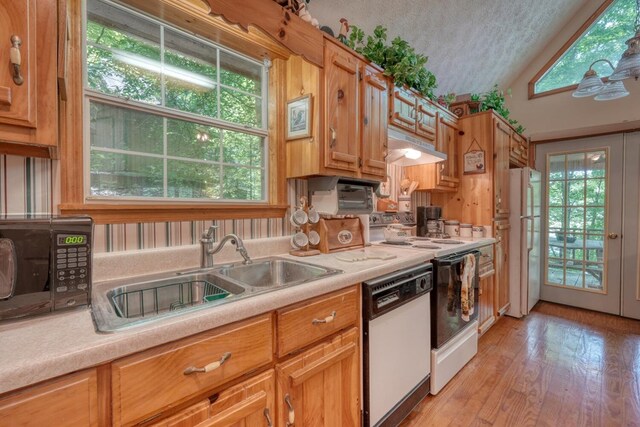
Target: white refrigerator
[524, 257]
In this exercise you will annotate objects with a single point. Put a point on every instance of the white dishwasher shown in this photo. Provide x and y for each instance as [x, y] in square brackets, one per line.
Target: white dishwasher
[396, 344]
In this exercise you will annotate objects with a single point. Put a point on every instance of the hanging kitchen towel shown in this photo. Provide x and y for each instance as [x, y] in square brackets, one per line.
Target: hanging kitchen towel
[466, 290]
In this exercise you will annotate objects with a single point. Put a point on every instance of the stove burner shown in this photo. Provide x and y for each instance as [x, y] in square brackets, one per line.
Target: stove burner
[427, 247]
[396, 243]
[448, 242]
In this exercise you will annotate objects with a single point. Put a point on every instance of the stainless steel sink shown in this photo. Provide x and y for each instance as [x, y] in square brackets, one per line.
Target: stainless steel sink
[139, 302]
[129, 304]
[274, 273]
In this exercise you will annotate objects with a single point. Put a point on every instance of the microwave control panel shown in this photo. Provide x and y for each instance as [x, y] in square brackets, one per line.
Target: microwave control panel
[72, 268]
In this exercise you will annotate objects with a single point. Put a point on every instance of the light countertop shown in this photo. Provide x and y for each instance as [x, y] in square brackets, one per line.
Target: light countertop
[40, 348]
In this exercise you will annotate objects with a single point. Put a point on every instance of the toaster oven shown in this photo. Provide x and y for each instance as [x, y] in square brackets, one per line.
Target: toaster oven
[45, 264]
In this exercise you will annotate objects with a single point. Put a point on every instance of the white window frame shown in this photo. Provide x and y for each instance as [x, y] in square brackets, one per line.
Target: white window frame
[170, 113]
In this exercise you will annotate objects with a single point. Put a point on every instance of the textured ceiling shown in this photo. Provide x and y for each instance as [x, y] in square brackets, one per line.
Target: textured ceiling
[471, 44]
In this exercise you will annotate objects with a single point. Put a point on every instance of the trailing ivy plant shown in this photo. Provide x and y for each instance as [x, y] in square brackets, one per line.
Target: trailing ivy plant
[495, 100]
[398, 59]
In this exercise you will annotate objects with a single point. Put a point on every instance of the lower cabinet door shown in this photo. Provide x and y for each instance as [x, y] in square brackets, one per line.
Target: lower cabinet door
[248, 404]
[189, 417]
[71, 400]
[321, 387]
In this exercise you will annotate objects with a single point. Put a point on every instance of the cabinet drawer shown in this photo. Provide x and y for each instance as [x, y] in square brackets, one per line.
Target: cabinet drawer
[303, 324]
[162, 377]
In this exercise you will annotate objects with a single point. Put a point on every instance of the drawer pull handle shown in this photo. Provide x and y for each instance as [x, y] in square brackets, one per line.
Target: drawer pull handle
[292, 413]
[327, 319]
[210, 367]
[268, 417]
[16, 59]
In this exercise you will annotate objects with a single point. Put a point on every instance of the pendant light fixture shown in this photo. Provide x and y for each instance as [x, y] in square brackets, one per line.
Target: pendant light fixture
[592, 85]
[628, 66]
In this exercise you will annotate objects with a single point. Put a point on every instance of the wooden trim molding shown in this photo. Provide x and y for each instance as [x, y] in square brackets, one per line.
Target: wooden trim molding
[281, 24]
[561, 51]
[72, 133]
[129, 213]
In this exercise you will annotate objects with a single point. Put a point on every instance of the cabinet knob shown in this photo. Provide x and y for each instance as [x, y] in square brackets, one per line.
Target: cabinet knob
[613, 235]
[16, 59]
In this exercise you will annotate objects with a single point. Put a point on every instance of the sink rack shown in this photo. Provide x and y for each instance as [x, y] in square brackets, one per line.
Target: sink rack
[169, 297]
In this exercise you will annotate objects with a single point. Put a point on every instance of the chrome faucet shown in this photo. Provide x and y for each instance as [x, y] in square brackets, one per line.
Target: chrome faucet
[208, 251]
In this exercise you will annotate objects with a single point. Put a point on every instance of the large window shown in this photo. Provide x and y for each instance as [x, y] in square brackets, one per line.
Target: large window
[604, 39]
[170, 116]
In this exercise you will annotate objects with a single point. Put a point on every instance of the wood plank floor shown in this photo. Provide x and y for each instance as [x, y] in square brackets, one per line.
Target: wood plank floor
[559, 366]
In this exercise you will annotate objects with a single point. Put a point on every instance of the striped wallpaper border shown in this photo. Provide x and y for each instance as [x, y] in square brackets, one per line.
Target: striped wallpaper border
[31, 186]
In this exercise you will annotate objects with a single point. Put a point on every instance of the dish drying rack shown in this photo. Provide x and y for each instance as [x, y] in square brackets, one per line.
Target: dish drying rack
[170, 297]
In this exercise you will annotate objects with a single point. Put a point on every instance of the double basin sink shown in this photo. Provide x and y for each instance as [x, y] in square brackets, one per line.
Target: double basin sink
[173, 294]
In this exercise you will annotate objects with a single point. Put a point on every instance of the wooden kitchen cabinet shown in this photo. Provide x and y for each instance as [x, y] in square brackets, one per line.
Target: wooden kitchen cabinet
[501, 143]
[189, 417]
[374, 123]
[349, 124]
[309, 321]
[187, 368]
[518, 150]
[403, 109]
[71, 400]
[427, 120]
[28, 91]
[250, 403]
[486, 300]
[342, 92]
[501, 259]
[321, 387]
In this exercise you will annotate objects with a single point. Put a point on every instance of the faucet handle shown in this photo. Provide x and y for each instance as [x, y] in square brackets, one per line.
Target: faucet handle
[209, 233]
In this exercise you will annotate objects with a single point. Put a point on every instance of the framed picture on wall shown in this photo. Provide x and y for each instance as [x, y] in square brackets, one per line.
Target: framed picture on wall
[474, 160]
[299, 117]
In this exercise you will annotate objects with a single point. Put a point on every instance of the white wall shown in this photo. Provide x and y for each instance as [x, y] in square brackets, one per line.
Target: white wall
[561, 115]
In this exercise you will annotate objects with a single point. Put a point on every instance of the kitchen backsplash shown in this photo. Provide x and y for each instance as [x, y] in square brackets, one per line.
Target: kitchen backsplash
[29, 185]
[26, 185]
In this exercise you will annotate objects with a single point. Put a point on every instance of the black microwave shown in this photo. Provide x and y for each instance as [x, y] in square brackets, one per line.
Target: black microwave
[45, 264]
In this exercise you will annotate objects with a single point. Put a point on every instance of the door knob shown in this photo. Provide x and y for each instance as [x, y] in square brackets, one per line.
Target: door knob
[613, 235]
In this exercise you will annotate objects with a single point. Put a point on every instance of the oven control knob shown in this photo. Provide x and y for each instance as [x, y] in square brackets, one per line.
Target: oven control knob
[422, 283]
[374, 218]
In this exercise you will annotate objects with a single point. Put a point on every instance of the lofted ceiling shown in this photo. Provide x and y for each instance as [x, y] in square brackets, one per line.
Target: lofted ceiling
[471, 44]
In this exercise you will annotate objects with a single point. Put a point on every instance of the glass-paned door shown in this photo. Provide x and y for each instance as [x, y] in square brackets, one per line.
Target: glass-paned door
[576, 212]
[581, 222]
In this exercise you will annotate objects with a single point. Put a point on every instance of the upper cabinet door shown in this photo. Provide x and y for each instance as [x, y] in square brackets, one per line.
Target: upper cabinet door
[427, 120]
[374, 122]
[501, 141]
[28, 77]
[18, 45]
[403, 109]
[341, 109]
[447, 143]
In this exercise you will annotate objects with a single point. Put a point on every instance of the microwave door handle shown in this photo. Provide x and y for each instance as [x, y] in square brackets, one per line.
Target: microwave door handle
[9, 267]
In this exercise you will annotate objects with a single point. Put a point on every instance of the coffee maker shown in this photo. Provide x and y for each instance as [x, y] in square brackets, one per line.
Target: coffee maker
[429, 222]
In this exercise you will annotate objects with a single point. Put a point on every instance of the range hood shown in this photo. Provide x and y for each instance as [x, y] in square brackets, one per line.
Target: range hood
[405, 150]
